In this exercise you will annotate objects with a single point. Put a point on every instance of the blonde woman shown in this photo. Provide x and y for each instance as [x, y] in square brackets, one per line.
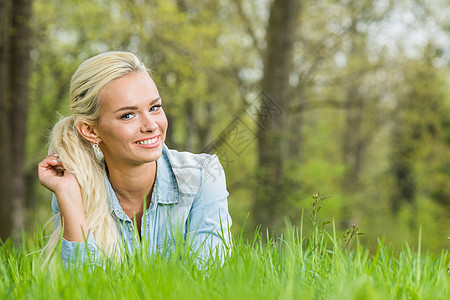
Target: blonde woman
[109, 170]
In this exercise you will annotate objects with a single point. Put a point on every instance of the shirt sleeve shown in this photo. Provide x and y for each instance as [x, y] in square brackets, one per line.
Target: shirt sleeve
[75, 253]
[209, 221]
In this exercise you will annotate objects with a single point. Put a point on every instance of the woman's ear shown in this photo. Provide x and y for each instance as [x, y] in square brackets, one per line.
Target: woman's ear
[88, 132]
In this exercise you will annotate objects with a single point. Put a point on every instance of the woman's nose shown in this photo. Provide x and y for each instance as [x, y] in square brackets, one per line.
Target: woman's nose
[148, 123]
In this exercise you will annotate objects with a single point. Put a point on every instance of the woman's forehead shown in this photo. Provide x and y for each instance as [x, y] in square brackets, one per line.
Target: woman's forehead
[130, 90]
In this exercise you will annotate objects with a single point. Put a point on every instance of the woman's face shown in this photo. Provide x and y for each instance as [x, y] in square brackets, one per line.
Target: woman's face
[132, 126]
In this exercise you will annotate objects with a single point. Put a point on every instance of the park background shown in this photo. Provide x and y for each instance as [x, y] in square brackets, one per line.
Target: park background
[349, 99]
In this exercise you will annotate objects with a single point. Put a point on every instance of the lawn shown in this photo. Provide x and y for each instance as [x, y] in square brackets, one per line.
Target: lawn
[323, 265]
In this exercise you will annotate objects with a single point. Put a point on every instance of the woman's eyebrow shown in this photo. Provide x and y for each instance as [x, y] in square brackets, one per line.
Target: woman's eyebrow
[135, 107]
[126, 108]
[155, 100]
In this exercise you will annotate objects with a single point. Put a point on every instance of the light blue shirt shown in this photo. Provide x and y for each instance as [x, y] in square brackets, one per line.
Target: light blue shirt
[189, 195]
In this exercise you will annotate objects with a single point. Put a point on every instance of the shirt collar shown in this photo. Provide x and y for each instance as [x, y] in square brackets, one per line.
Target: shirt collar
[166, 186]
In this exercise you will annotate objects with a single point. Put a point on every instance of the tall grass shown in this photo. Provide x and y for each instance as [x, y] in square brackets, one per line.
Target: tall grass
[291, 266]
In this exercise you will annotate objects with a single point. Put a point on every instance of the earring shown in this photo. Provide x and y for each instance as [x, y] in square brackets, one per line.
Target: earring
[97, 151]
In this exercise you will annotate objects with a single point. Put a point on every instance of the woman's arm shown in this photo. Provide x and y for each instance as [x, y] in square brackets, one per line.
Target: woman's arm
[209, 221]
[73, 252]
[64, 185]
[78, 244]
[72, 215]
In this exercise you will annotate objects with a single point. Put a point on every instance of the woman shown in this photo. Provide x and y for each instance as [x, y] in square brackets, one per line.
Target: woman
[108, 163]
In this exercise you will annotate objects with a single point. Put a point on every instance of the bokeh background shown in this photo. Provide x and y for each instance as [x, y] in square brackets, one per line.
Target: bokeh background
[349, 99]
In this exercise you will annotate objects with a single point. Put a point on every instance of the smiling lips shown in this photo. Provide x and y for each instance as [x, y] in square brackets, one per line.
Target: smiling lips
[149, 143]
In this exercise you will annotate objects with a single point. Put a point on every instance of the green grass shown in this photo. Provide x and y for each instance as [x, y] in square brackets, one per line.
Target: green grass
[292, 266]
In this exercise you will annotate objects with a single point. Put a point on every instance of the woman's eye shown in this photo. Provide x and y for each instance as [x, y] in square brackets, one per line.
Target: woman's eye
[127, 116]
[155, 107]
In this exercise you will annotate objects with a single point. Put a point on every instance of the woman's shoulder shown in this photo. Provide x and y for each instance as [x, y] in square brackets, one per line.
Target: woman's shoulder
[183, 159]
[191, 169]
[199, 187]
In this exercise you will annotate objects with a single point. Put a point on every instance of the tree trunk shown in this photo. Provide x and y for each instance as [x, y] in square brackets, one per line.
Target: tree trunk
[271, 135]
[204, 130]
[15, 71]
[296, 124]
[353, 145]
[5, 169]
[191, 126]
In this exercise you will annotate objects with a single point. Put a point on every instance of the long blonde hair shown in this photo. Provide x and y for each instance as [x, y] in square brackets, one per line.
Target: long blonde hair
[77, 153]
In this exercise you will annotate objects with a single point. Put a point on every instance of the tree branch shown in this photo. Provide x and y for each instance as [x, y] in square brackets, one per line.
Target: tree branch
[248, 26]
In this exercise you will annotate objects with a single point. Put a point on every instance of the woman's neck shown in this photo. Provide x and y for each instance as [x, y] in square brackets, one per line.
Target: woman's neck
[133, 184]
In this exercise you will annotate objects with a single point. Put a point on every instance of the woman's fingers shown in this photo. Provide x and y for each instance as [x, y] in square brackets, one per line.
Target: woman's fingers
[52, 173]
[51, 163]
[53, 159]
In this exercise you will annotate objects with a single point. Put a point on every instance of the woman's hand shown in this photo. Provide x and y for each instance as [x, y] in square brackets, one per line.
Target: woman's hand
[54, 177]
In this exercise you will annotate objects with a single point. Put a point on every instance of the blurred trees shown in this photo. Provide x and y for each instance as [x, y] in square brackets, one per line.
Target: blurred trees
[357, 113]
[14, 72]
[420, 160]
[361, 96]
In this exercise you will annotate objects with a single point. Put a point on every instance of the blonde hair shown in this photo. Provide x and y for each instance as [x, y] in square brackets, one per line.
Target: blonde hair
[77, 154]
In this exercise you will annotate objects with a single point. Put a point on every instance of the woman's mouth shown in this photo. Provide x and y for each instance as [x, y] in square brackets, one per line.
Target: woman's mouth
[150, 142]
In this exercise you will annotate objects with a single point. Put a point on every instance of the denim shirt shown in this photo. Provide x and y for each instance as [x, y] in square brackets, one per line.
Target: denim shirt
[189, 195]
